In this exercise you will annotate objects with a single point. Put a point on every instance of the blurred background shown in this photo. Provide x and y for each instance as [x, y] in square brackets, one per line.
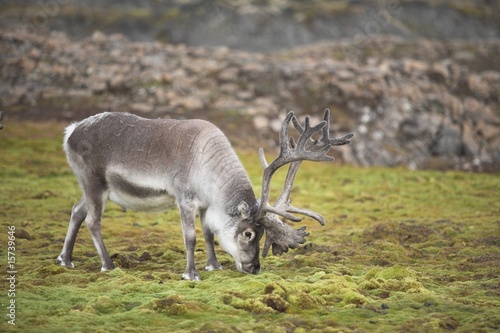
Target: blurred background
[418, 82]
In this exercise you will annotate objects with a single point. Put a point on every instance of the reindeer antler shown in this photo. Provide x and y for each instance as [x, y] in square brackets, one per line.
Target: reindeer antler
[1, 116]
[278, 234]
[325, 138]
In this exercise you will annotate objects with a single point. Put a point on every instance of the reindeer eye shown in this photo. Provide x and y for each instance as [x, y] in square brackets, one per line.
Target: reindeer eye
[248, 234]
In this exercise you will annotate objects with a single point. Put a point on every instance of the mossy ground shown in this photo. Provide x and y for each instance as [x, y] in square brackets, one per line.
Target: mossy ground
[402, 251]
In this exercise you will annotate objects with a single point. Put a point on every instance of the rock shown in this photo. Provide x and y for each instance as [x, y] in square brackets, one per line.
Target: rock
[99, 37]
[478, 87]
[411, 66]
[97, 87]
[245, 95]
[439, 72]
[447, 141]
[141, 108]
[118, 84]
[345, 75]
[229, 88]
[470, 143]
[229, 74]
[51, 92]
[261, 123]
[194, 103]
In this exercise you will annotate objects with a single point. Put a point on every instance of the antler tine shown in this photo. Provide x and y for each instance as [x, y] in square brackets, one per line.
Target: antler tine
[262, 158]
[326, 133]
[307, 212]
[287, 187]
[284, 133]
[297, 125]
[308, 132]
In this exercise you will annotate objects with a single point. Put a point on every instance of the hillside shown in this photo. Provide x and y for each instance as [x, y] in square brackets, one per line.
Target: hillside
[417, 81]
[420, 103]
[258, 25]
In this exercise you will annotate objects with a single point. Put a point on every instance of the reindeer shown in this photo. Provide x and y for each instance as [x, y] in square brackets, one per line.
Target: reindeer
[142, 164]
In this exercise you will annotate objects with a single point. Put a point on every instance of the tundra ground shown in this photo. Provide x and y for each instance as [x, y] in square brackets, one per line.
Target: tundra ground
[402, 251]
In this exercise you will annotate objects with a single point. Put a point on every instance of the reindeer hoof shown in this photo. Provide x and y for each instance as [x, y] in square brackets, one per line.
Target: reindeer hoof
[191, 276]
[64, 263]
[213, 266]
[107, 269]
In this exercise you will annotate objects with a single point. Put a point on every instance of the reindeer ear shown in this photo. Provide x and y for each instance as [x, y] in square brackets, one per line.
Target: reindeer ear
[243, 211]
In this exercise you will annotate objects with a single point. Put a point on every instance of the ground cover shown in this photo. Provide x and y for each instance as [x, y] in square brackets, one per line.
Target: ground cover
[402, 251]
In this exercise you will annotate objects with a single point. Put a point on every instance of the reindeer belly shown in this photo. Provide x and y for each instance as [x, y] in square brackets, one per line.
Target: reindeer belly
[137, 195]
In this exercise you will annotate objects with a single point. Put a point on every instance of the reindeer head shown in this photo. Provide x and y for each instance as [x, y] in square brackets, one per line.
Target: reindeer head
[279, 235]
[247, 225]
[242, 238]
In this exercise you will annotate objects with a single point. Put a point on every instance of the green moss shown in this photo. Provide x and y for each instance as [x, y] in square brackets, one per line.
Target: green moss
[395, 278]
[103, 305]
[173, 305]
[402, 251]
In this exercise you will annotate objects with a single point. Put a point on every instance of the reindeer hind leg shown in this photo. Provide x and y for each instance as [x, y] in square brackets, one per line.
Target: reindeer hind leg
[78, 215]
[96, 202]
[188, 216]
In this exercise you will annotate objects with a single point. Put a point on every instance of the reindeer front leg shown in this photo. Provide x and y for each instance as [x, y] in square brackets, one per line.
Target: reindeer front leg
[212, 262]
[188, 217]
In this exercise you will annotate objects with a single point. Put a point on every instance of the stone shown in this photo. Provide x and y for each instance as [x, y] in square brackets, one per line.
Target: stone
[99, 37]
[229, 74]
[97, 87]
[471, 144]
[118, 83]
[478, 87]
[261, 122]
[141, 108]
[447, 141]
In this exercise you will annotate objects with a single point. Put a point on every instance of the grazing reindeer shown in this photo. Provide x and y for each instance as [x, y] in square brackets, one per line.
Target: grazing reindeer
[141, 164]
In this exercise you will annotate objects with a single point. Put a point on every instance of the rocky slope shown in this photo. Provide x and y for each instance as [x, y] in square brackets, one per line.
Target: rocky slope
[257, 25]
[420, 104]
